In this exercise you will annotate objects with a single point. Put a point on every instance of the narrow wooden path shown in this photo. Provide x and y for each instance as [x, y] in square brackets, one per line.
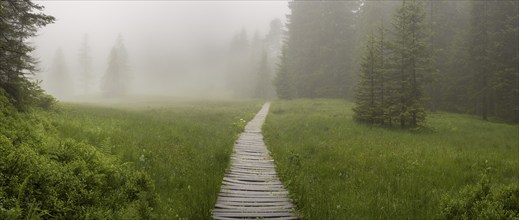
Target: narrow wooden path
[251, 188]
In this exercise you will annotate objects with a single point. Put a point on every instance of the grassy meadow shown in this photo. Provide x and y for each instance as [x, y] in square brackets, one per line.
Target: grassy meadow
[335, 168]
[184, 147]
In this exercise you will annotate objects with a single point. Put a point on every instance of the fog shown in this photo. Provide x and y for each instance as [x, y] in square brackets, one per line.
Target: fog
[173, 48]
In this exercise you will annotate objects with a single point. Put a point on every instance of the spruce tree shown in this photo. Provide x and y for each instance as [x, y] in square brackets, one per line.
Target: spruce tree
[370, 93]
[239, 66]
[19, 21]
[411, 63]
[116, 79]
[58, 82]
[85, 65]
[284, 81]
[480, 54]
[366, 91]
[320, 48]
[263, 82]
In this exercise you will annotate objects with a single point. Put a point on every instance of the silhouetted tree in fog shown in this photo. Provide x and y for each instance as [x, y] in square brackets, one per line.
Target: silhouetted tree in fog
[116, 78]
[239, 66]
[493, 52]
[59, 83]
[85, 65]
[284, 81]
[263, 82]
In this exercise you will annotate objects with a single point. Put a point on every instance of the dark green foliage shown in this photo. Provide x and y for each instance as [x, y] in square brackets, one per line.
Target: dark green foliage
[493, 57]
[409, 64]
[475, 57]
[390, 88]
[483, 200]
[19, 20]
[459, 56]
[284, 81]
[318, 56]
[369, 93]
[43, 176]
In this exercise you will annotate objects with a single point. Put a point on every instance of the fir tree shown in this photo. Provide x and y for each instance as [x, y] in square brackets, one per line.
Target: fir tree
[263, 82]
[411, 63]
[320, 48]
[85, 65]
[19, 21]
[284, 82]
[370, 93]
[116, 78]
[59, 82]
[366, 106]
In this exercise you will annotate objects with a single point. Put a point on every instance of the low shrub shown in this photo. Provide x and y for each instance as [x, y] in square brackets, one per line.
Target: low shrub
[482, 201]
[43, 176]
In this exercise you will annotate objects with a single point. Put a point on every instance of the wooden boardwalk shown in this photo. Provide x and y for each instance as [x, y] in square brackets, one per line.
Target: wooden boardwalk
[251, 188]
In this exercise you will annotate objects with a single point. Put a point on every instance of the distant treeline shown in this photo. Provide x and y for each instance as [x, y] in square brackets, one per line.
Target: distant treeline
[398, 58]
[114, 83]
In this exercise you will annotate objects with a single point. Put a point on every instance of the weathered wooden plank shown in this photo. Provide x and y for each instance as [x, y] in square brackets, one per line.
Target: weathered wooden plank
[220, 206]
[255, 199]
[253, 193]
[255, 215]
[257, 170]
[251, 182]
[255, 204]
[252, 188]
[252, 177]
[255, 186]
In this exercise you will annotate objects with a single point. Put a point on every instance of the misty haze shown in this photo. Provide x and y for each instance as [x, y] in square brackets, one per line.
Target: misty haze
[353, 109]
[173, 48]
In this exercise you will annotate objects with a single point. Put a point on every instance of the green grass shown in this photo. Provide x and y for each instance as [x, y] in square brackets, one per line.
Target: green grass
[335, 168]
[184, 146]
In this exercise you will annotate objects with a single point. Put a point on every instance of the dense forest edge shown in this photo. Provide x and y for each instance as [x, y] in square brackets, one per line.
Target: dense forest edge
[400, 59]
[463, 58]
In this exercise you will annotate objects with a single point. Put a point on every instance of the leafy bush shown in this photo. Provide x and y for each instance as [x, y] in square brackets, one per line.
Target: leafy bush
[483, 201]
[42, 176]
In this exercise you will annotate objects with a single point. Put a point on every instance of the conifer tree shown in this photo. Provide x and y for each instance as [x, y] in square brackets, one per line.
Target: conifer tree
[365, 94]
[20, 20]
[284, 82]
[85, 65]
[320, 48]
[493, 58]
[263, 82]
[410, 63]
[239, 66]
[116, 79]
[59, 82]
[370, 93]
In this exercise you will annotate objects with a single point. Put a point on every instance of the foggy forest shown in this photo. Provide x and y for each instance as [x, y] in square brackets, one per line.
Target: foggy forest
[354, 109]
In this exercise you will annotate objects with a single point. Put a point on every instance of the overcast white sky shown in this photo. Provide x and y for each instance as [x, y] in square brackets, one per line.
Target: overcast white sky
[148, 26]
